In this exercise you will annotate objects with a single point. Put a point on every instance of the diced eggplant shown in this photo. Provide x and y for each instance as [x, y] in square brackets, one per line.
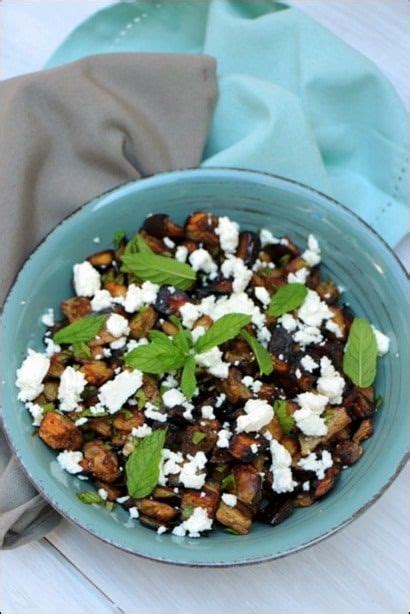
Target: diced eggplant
[167, 495]
[59, 432]
[240, 447]
[103, 338]
[281, 344]
[200, 227]
[143, 322]
[323, 486]
[149, 523]
[101, 461]
[125, 422]
[277, 511]
[58, 363]
[249, 247]
[76, 308]
[236, 392]
[360, 402]
[102, 259]
[248, 485]
[113, 492]
[328, 292]
[150, 388]
[160, 225]
[200, 438]
[277, 251]
[238, 518]
[156, 245]
[169, 300]
[158, 510]
[207, 498]
[96, 372]
[291, 444]
[274, 428]
[100, 426]
[50, 390]
[304, 500]
[219, 286]
[364, 431]
[115, 288]
[337, 419]
[347, 452]
[238, 352]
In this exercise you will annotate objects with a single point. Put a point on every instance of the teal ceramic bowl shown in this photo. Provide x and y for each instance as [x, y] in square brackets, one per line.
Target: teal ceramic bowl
[353, 255]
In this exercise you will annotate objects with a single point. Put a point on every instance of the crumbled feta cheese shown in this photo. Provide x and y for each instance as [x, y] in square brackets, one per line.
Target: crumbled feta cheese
[298, 373]
[117, 325]
[238, 302]
[308, 417]
[161, 530]
[103, 494]
[189, 313]
[229, 500]
[31, 374]
[281, 468]
[254, 448]
[334, 328]
[72, 384]
[133, 512]
[307, 335]
[70, 461]
[309, 364]
[288, 322]
[299, 277]
[81, 421]
[97, 409]
[48, 317]
[267, 238]
[253, 384]
[118, 343]
[190, 475]
[312, 254]
[141, 431]
[313, 310]
[195, 524]
[228, 232]
[106, 352]
[36, 412]
[101, 300]
[173, 397]
[197, 332]
[212, 360]
[169, 242]
[263, 335]
[150, 411]
[258, 413]
[136, 296]
[201, 260]
[122, 500]
[181, 253]
[223, 438]
[51, 347]
[114, 393]
[382, 341]
[262, 295]
[313, 463]
[235, 267]
[207, 412]
[170, 465]
[87, 279]
[306, 486]
[170, 381]
[220, 399]
[330, 383]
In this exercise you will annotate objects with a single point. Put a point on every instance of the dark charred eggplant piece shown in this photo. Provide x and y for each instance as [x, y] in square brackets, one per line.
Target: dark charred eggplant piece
[240, 447]
[174, 434]
[102, 259]
[276, 512]
[248, 485]
[125, 422]
[143, 322]
[51, 390]
[359, 402]
[249, 247]
[96, 372]
[149, 523]
[328, 292]
[156, 245]
[281, 344]
[207, 499]
[200, 227]
[160, 226]
[158, 510]
[347, 452]
[76, 308]
[219, 286]
[100, 461]
[277, 251]
[115, 288]
[200, 438]
[238, 518]
[323, 486]
[59, 432]
[169, 300]
[100, 426]
[113, 492]
[167, 495]
[236, 392]
[364, 431]
[58, 363]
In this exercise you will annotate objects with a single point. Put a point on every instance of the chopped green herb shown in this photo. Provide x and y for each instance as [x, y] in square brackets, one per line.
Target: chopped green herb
[197, 437]
[118, 238]
[141, 398]
[90, 496]
[379, 401]
[187, 511]
[46, 407]
[287, 422]
[126, 413]
[263, 358]
[221, 468]
[81, 350]
[229, 480]
[284, 259]
[188, 379]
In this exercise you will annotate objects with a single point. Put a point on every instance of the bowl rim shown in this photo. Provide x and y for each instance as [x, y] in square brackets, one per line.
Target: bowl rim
[208, 170]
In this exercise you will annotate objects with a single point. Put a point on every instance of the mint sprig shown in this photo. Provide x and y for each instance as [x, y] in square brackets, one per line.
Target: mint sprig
[287, 298]
[81, 330]
[263, 358]
[286, 421]
[360, 357]
[224, 329]
[142, 466]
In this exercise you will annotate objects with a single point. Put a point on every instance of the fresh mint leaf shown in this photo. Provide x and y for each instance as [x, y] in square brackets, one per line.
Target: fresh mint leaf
[224, 329]
[360, 357]
[264, 359]
[287, 298]
[159, 337]
[118, 238]
[197, 437]
[142, 466]
[286, 421]
[188, 379]
[229, 480]
[156, 357]
[90, 496]
[81, 330]
[81, 350]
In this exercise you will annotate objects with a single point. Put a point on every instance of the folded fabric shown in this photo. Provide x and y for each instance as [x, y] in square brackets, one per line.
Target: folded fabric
[294, 99]
[68, 135]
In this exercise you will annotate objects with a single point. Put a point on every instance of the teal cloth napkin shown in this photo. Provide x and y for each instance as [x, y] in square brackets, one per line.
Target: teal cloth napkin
[294, 99]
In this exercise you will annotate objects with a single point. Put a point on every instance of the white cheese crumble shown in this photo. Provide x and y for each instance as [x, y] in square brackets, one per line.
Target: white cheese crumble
[181, 253]
[212, 360]
[382, 341]
[258, 413]
[235, 267]
[198, 522]
[313, 463]
[48, 317]
[170, 465]
[201, 260]
[173, 397]
[191, 476]
[238, 302]
[189, 313]
[254, 448]
[101, 300]
[141, 431]
[133, 512]
[288, 322]
[118, 343]
[309, 364]
[229, 500]
[51, 347]
[161, 530]
[253, 384]
[262, 295]
[281, 471]
[72, 384]
[70, 461]
[137, 296]
[150, 411]
[223, 438]
[312, 254]
[207, 412]
[306, 486]
[220, 399]
[334, 328]
[169, 242]
[267, 238]
[307, 335]
[81, 421]
[313, 310]
[299, 277]
[330, 383]
[228, 232]
[36, 412]
[122, 500]
[87, 279]
[197, 332]
[31, 374]
[103, 494]
[117, 325]
[114, 393]
[308, 417]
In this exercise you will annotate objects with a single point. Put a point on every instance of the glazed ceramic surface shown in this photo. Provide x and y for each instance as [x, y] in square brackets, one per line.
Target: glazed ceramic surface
[353, 256]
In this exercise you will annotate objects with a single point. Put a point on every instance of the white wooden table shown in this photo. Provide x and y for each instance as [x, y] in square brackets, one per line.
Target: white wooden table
[361, 569]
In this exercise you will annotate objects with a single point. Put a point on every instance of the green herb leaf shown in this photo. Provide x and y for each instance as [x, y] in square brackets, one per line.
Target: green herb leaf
[187, 511]
[221, 468]
[89, 496]
[188, 379]
[159, 269]
[159, 337]
[264, 359]
[118, 238]
[284, 259]
[224, 329]
[142, 466]
[81, 330]
[286, 421]
[229, 480]
[379, 401]
[156, 357]
[360, 357]
[141, 398]
[46, 407]
[126, 413]
[182, 341]
[109, 505]
[81, 350]
[287, 298]
[197, 437]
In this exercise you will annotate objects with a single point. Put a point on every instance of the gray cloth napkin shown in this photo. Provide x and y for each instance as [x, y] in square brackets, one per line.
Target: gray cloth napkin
[68, 135]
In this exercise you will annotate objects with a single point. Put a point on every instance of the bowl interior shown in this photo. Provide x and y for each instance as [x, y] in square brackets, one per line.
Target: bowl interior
[353, 256]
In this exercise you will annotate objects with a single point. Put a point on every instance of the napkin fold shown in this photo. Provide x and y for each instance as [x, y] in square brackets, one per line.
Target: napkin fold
[68, 135]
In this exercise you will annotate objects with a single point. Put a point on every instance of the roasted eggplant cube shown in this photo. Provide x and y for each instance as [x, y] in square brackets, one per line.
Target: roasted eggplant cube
[249, 247]
[337, 419]
[236, 392]
[364, 431]
[238, 519]
[100, 426]
[76, 308]
[359, 402]
[248, 485]
[277, 511]
[347, 452]
[206, 499]
[169, 300]
[322, 487]
[59, 432]
[58, 364]
[281, 344]
[143, 322]
[101, 461]
[198, 438]
[102, 259]
[127, 420]
[200, 227]
[96, 372]
[113, 492]
[158, 510]
[160, 225]
[243, 447]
